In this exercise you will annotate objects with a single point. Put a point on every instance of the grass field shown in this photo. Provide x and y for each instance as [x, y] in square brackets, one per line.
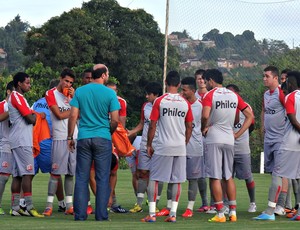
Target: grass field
[132, 221]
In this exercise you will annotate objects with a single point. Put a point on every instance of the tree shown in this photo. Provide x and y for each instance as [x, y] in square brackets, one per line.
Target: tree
[210, 54]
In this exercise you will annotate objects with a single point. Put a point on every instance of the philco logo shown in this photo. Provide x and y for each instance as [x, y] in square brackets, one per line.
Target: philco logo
[29, 167]
[54, 166]
[4, 164]
[225, 104]
[173, 112]
[270, 111]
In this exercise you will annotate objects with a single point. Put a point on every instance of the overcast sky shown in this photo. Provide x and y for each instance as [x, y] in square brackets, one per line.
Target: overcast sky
[271, 19]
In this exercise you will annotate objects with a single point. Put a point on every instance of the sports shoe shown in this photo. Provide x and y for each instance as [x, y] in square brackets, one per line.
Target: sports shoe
[218, 219]
[187, 213]
[61, 208]
[34, 213]
[89, 210]
[136, 208]
[118, 209]
[232, 216]
[265, 216]
[296, 217]
[288, 210]
[212, 210]
[156, 209]
[20, 212]
[203, 208]
[48, 211]
[290, 215]
[279, 211]
[69, 211]
[252, 207]
[171, 219]
[149, 219]
[226, 212]
[2, 211]
[163, 212]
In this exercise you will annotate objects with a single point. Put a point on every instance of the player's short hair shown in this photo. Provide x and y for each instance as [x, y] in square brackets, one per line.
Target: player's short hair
[10, 87]
[214, 74]
[199, 72]
[296, 75]
[190, 82]
[234, 87]
[173, 78]
[273, 69]
[97, 73]
[19, 77]
[154, 87]
[88, 70]
[110, 83]
[285, 71]
[67, 72]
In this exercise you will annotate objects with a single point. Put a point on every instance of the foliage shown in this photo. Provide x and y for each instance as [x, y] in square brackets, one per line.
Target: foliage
[289, 59]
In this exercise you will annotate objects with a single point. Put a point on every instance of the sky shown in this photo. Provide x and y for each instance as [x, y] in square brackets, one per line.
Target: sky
[270, 19]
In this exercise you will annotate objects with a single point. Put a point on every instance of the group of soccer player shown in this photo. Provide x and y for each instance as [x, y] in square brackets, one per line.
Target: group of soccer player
[199, 129]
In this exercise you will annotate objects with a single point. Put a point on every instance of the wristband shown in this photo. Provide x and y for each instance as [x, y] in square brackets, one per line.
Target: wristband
[69, 138]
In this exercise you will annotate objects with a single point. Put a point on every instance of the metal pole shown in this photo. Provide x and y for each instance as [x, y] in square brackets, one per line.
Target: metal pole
[166, 46]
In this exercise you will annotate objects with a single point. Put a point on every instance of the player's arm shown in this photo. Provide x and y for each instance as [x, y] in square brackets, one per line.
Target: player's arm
[136, 129]
[3, 116]
[294, 122]
[248, 121]
[122, 119]
[204, 119]
[30, 118]
[151, 133]
[60, 115]
[114, 118]
[74, 113]
[188, 131]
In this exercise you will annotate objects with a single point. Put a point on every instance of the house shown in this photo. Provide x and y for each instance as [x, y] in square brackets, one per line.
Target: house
[3, 54]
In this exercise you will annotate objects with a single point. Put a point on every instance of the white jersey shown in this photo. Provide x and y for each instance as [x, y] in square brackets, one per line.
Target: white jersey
[4, 129]
[59, 127]
[171, 111]
[20, 132]
[145, 116]
[224, 104]
[291, 136]
[274, 115]
[241, 145]
[195, 145]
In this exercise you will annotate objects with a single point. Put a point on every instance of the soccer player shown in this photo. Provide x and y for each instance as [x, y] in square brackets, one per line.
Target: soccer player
[194, 149]
[218, 116]
[22, 120]
[288, 157]
[63, 161]
[200, 81]
[5, 151]
[242, 157]
[273, 122]
[153, 90]
[172, 117]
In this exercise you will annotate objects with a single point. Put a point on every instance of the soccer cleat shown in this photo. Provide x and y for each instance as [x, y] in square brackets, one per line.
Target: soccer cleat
[203, 208]
[89, 210]
[296, 217]
[279, 211]
[265, 216]
[34, 213]
[288, 210]
[232, 216]
[252, 207]
[61, 208]
[187, 213]
[19, 212]
[156, 210]
[212, 210]
[171, 219]
[118, 209]
[136, 209]
[69, 211]
[226, 212]
[48, 211]
[149, 219]
[163, 212]
[217, 219]
[290, 215]
[2, 211]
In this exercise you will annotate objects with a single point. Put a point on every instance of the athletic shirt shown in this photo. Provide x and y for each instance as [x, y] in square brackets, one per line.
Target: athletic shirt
[20, 132]
[4, 129]
[224, 104]
[171, 111]
[291, 136]
[59, 127]
[41, 106]
[123, 104]
[199, 96]
[145, 117]
[274, 115]
[241, 144]
[195, 145]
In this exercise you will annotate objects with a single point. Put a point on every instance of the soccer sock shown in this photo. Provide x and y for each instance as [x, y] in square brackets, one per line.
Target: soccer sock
[220, 208]
[114, 202]
[298, 197]
[3, 179]
[232, 205]
[52, 187]
[282, 198]
[192, 190]
[69, 191]
[251, 189]
[169, 196]
[15, 201]
[159, 191]
[274, 192]
[176, 191]
[28, 200]
[295, 184]
[202, 185]
[288, 201]
[141, 189]
[152, 193]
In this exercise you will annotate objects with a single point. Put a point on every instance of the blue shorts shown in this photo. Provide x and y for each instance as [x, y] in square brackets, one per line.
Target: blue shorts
[43, 160]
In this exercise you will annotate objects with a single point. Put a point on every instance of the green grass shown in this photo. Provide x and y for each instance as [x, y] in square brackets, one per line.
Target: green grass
[132, 221]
